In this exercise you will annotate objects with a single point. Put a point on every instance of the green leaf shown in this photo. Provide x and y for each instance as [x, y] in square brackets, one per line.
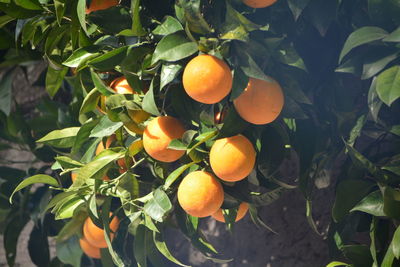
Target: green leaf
[297, 7]
[81, 12]
[371, 204]
[396, 243]
[59, 198]
[391, 199]
[393, 36]
[373, 230]
[11, 234]
[81, 55]
[112, 20]
[67, 209]
[96, 168]
[358, 254]
[362, 36]
[54, 79]
[169, 72]
[100, 86]
[233, 124]
[60, 138]
[82, 138]
[240, 81]
[193, 16]
[106, 222]
[158, 206]
[356, 131]
[389, 257]
[173, 47]
[388, 84]
[108, 60]
[250, 67]
[5, 92]
[149, 104]
[140, 245]
[377, 62]
[5, 19]
[337, 263]
[105, 127]
[374, 103]
[170, 25]
[38, 245]
[68, 163]
[257, 220]
[395, 130]
[69, 251]
[348, 194]
[137, 28]
[31, 4]
[162, 247]
[176, 144]
[175, 175]
[36, 179]
[362, 162]
[90, 102]
[60, 7]
[72, 227]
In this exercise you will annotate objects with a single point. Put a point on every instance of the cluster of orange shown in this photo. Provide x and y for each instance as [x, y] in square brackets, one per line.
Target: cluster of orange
[206, 79]
[96, 5]
[93, 237]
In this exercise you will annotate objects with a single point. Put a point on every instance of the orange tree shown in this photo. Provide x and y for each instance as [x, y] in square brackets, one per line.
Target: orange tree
[164, 112]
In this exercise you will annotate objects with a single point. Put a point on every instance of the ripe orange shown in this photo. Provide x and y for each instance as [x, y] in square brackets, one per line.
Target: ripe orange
[100, 146]
[89, 250]
[95, 235]
[121, 86]
[261, 102]
[242, 210]
[100, 5]
[232, 158]
[259, 3]
[74, 175]
[207, 79]
[200, 194]
[157, 136]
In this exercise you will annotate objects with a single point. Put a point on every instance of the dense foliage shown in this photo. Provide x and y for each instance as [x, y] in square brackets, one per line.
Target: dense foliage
[337, 62]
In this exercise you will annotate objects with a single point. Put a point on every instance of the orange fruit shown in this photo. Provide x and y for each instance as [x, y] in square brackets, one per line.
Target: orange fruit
[232, 158]
[259, 3]
[89, 250]
[73, 176]
[200, 194]
[241, 212]
[207, 79]
[121, 86]
[95, 235]
[157, 136]
[122, 165]
[100, 5]
[261, 102]
[100, 146]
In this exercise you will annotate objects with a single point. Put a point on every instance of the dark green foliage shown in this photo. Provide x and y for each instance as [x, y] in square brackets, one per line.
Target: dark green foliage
[339, 66]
